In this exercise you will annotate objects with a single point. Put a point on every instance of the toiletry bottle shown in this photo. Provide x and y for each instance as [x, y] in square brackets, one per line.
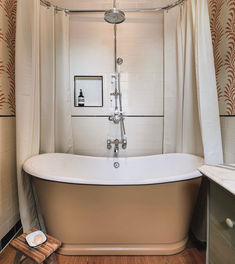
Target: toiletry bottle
[81, 99]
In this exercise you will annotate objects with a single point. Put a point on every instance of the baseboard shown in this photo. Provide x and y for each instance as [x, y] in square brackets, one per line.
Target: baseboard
[10, 235]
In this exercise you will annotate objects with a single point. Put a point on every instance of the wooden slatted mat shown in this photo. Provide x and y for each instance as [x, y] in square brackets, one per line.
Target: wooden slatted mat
[38, 254]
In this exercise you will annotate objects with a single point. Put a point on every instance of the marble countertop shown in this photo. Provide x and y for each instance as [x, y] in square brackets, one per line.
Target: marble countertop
[224, 175]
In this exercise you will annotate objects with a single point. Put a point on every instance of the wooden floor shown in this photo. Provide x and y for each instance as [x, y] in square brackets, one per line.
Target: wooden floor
[189, 256]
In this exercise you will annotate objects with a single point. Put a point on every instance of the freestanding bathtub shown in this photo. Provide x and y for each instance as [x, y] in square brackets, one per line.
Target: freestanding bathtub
[124, 206]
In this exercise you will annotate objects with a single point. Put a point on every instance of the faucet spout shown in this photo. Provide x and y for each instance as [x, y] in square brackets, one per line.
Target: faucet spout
[116, 147]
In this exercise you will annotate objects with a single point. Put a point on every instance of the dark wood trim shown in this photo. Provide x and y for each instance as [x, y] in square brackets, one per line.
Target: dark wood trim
[7, 116]
[227, 115]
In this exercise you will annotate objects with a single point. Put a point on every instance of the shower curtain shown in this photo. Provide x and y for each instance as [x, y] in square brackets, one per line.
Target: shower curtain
[191, 123]
[43, 109]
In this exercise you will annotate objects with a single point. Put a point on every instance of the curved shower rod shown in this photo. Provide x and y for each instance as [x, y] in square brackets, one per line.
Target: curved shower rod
[168, 7]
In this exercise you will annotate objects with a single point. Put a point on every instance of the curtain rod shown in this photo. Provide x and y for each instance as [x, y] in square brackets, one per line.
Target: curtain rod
[165, 8]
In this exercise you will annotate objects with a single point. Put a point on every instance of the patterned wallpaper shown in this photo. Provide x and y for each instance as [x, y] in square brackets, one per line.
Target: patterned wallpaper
[222, 15]
[7, 56]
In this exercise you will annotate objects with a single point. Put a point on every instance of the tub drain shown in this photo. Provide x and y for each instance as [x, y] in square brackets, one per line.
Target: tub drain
[116, 165]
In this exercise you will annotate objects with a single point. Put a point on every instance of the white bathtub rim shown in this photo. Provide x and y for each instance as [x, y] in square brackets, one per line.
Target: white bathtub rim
[191, 176]
[113, 158]
[28, 168]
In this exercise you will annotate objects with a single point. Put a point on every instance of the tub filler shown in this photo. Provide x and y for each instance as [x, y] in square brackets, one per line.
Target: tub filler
[123, 206]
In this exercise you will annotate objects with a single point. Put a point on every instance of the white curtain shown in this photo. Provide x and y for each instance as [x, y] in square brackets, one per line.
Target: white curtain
[56, 131]
[43, 109]
[192, 122]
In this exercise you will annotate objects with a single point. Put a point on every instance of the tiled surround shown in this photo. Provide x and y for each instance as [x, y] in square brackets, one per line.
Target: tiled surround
[144, 135]
[9, 212]
[91, 53]
[228, 132]
[140, 44]
[222, 15]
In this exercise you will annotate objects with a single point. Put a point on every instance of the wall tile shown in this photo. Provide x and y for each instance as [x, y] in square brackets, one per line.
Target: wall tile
[7, 134]
[9, 211]
[144, 136]
[91, 53]
[139, 43]
[90, 135]
[228, 136]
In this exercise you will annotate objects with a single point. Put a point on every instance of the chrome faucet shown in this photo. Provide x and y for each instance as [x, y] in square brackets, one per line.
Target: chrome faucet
[116, 144]
[116, 147]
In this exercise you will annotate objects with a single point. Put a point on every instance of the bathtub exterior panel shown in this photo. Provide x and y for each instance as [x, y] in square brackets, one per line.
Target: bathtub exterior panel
[118, 220]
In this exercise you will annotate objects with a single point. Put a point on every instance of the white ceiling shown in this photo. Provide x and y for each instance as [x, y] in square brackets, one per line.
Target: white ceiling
[106, 4]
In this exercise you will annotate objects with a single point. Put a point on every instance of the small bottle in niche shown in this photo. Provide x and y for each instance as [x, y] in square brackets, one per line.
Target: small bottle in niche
[81, 99]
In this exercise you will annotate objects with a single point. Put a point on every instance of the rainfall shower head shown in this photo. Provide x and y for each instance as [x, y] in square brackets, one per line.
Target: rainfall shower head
[114, 16]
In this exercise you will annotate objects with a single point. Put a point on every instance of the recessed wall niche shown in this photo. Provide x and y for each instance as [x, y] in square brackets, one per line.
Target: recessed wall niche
[88, 91]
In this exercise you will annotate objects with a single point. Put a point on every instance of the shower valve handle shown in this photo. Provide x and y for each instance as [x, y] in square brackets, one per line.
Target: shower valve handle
[109, 144]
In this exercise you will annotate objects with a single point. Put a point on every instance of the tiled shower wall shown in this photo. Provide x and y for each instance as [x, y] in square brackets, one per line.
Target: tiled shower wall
[9, 213]
[146, 137]
[140, 44]
[222, 15]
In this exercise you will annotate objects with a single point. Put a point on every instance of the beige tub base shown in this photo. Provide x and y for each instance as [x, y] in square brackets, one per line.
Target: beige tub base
[122, 249]
[118, 220]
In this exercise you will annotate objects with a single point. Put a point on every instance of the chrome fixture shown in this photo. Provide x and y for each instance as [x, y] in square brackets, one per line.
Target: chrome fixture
[114, 15]
[116, 142]
[116, 147]
[109, 144]
[158, 9]
[119, 61]
[116, 165]
[117, 117]
[124, 144]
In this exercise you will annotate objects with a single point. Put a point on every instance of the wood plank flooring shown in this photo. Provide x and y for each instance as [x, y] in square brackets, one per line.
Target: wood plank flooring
[189, 256]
